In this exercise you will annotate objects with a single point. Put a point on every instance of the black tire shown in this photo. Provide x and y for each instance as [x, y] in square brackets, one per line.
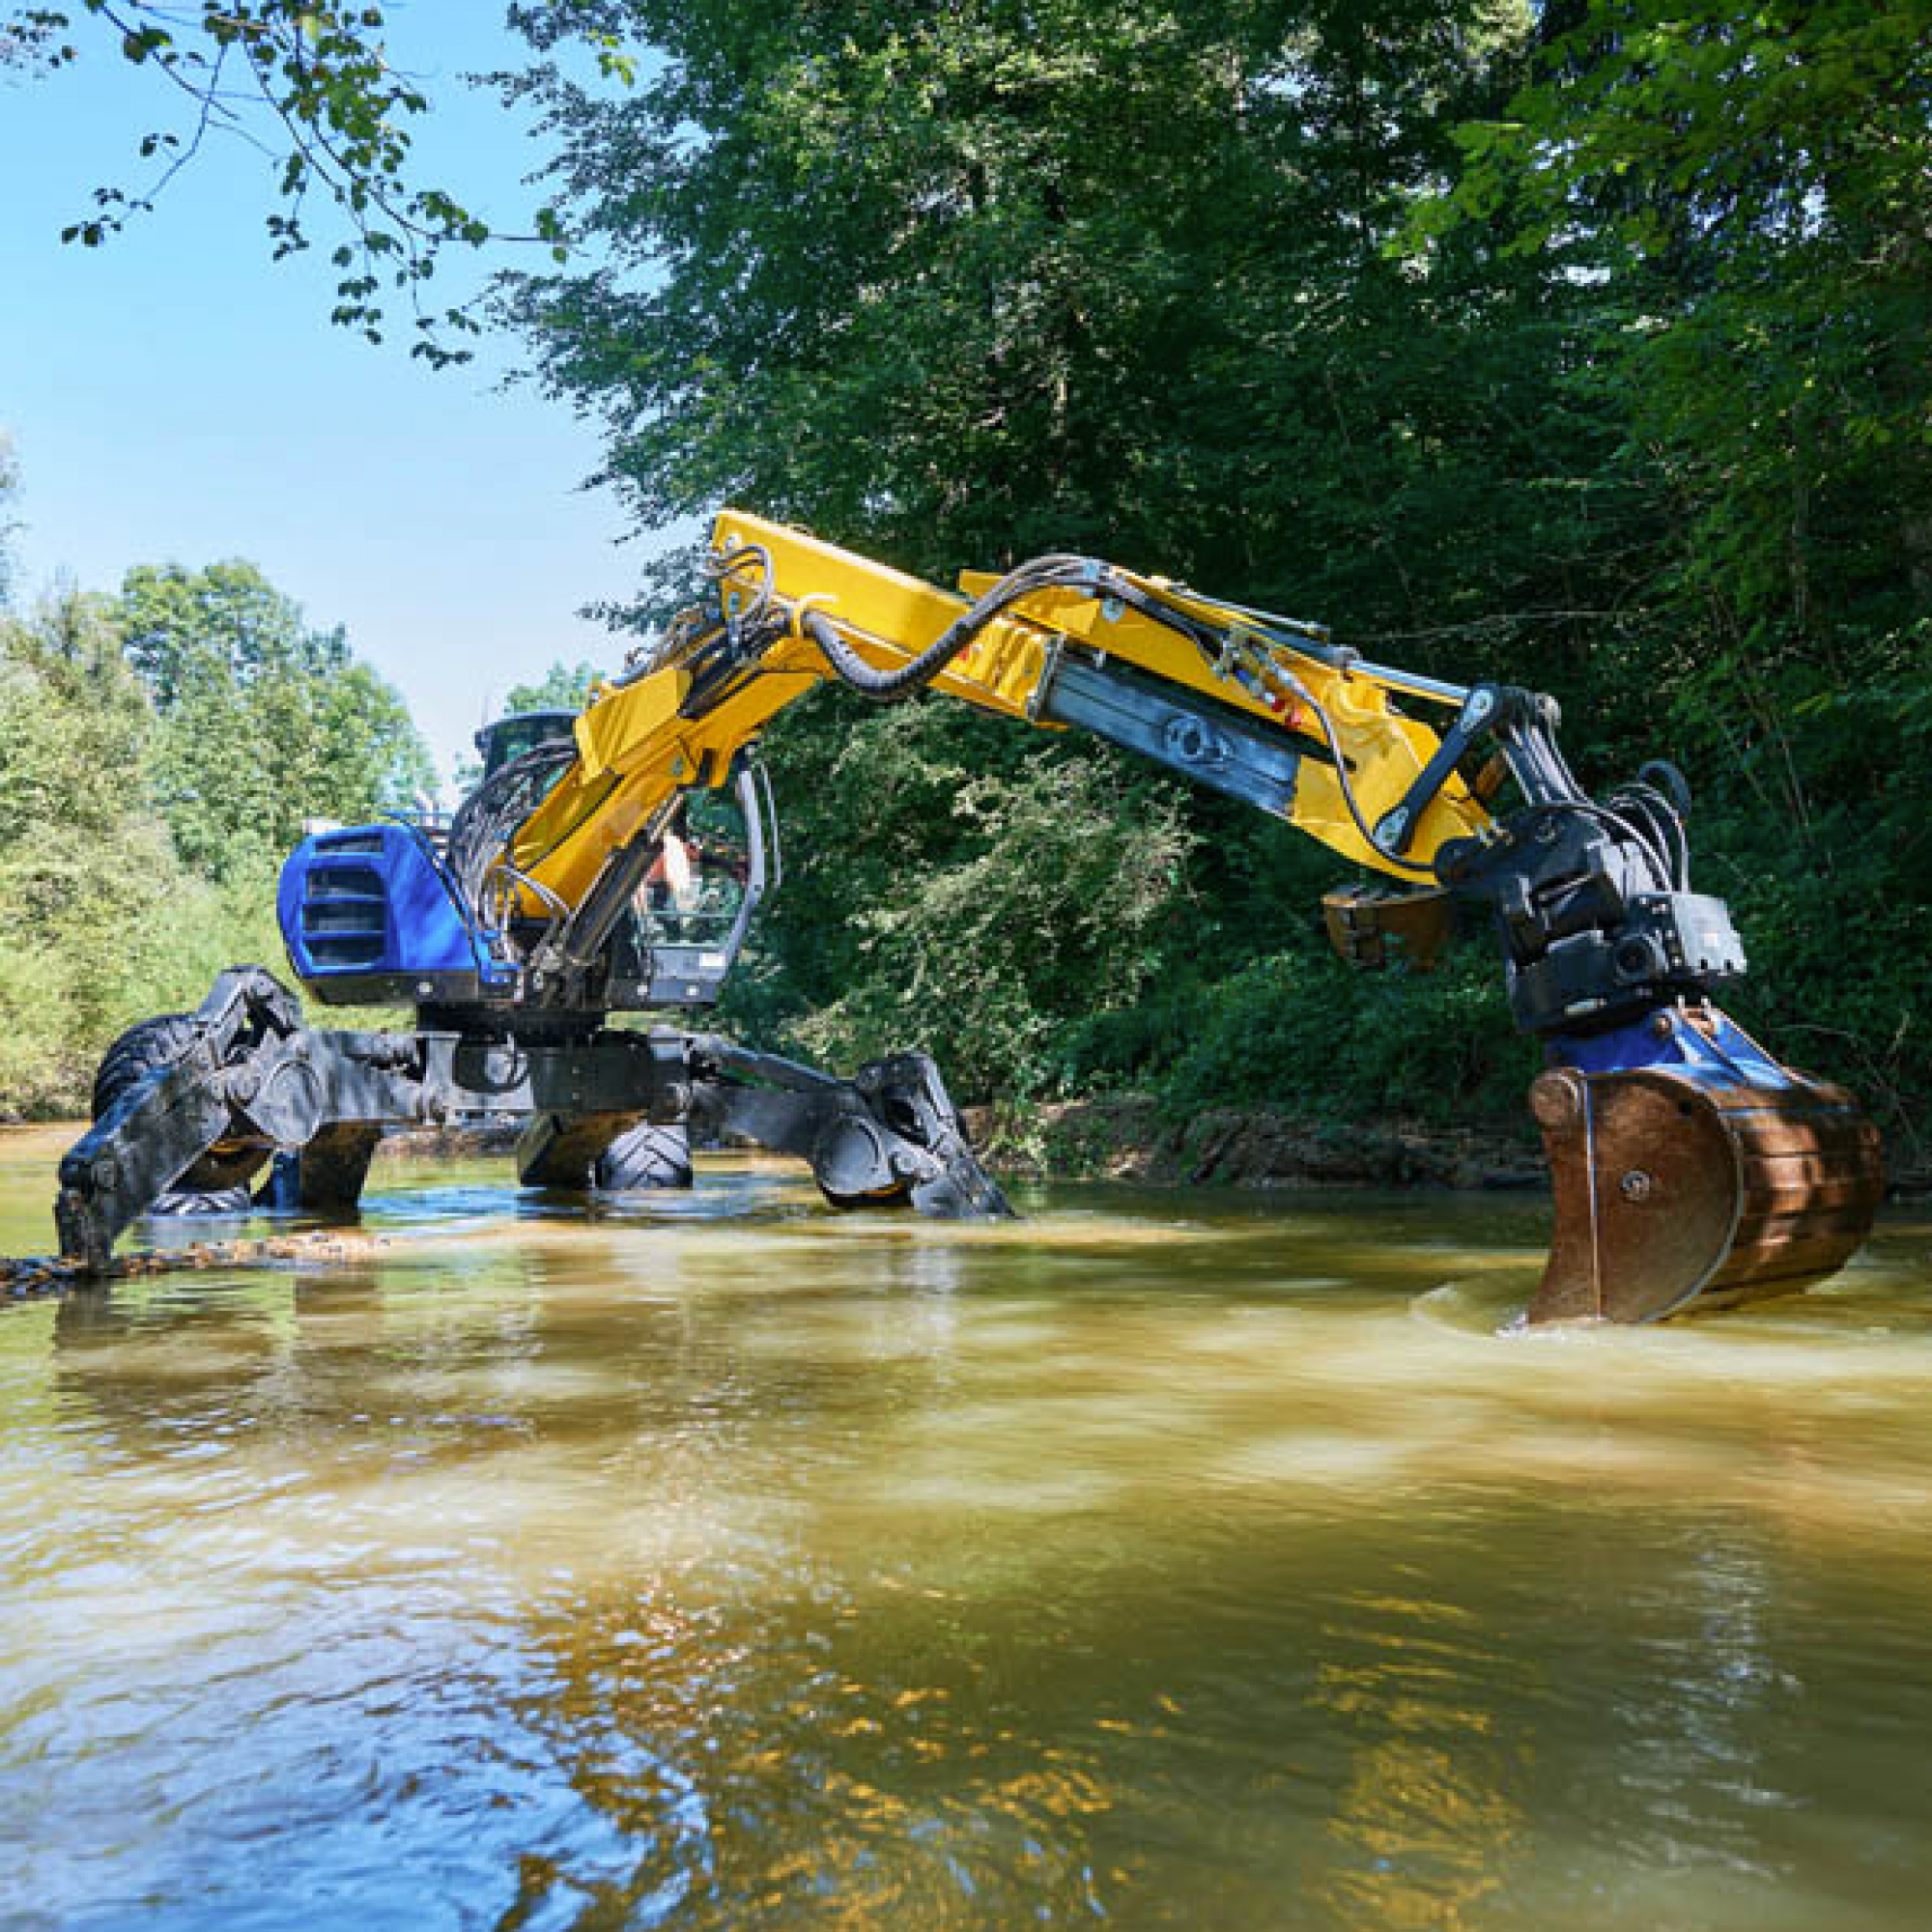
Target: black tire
[216, 1183]
[645, 1157]
[181, 1203]
[150, 1044]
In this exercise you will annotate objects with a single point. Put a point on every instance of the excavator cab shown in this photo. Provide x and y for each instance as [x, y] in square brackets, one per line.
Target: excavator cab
[508, 739]
[717, 860]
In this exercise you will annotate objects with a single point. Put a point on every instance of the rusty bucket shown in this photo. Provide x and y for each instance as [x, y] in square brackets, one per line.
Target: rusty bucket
[1707, 1175]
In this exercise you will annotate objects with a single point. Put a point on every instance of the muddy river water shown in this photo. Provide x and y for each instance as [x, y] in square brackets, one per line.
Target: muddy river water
[1163, 1559]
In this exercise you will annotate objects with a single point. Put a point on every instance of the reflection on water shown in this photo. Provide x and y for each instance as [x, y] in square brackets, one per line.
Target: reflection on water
[1159, 1561]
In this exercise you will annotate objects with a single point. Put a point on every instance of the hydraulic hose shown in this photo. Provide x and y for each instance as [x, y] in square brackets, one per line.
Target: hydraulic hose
[890, 687]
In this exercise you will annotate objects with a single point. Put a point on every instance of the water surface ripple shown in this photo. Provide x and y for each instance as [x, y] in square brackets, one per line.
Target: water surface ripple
[1159, 1561]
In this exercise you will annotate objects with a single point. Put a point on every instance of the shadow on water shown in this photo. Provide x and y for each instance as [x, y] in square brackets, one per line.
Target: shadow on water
[1161, 1560]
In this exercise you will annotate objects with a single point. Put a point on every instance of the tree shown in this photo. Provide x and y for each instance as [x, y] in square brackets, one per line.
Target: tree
[10, 483]
[309, 83]
[562, 688]
[977, 282]
[957, 285]
[1744, 185]
[157, 749]
[182, 629]
[261, 722]
[95, 911]
[1746, 176]
[960, 285]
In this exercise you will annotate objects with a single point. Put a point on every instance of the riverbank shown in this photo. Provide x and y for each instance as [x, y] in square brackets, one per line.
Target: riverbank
[1131, 1138]
[1127, 1137]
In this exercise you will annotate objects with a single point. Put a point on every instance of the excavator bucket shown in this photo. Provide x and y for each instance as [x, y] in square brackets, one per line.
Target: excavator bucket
[1691, 1171]
[1371, 925]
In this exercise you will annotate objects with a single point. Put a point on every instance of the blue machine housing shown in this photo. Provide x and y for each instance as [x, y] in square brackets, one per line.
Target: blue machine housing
[370, 919]
[1718, 1054]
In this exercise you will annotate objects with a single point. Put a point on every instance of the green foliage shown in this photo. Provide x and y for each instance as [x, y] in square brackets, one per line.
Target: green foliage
[86, 868]
[1582, 346]
[1431, 1046]
[1745, 178]
[1043, 889]
[311, 84]
[158, 753]
[562, 688]
[1746, 182]
[261, 722]
[964, 284]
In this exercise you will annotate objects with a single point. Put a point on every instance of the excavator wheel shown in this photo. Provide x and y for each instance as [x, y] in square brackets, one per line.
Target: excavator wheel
[647, 1156]
[852, 1162]
[144, 1047]
[218, 1183]
[1711, 1177]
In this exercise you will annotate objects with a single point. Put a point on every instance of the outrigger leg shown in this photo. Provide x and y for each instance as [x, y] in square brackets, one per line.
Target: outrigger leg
[890, 1136]
[244, 1079]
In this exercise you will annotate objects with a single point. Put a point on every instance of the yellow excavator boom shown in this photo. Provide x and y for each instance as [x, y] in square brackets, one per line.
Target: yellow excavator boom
[638, 745]
[1739, 1176]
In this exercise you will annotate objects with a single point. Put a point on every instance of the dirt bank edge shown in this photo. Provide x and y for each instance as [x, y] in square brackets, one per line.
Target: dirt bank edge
[1131, 1138]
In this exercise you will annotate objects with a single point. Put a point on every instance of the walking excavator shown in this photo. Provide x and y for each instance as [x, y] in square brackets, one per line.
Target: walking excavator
[612, 862]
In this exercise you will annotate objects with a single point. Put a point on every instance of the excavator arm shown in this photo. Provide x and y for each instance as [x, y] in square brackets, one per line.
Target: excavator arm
[1265, 709]
[1689, 1168]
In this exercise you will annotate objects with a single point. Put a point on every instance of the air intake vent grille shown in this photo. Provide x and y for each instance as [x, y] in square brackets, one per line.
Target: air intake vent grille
[344, 912]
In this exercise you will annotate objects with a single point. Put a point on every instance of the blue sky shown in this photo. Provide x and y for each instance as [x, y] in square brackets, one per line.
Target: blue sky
[175, 397]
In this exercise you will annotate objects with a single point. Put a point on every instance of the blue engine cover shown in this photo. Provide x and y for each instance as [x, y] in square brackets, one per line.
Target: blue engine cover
[366, 916]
